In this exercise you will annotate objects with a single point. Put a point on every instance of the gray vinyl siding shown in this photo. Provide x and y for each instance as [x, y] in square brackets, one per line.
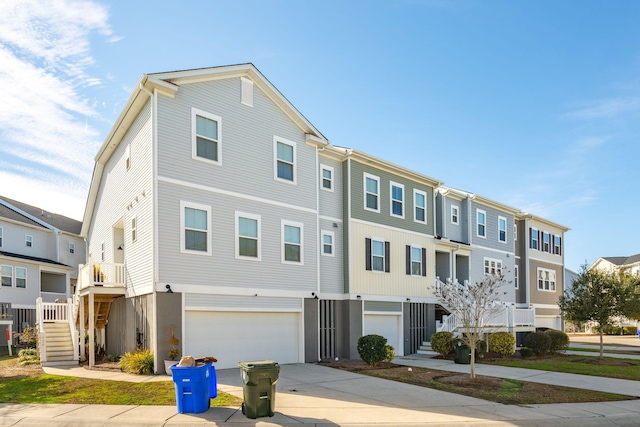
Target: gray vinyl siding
[123, 194]
[384, 217]
[227, 302]
[22, 296]
[222, 268]
[331, 268]
[73, 260]
[491, 239]
[440, 216]
[383, 306]
[346, 165]
[247, 148]
[13, 240]
[331, 202]
[457, 232]
[521, 292]
[477, 270]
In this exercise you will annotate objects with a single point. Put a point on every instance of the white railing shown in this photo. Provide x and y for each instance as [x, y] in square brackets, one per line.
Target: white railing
[52, 296]
[524, 317]
[53, 312]
[42, 335]
[102, 274]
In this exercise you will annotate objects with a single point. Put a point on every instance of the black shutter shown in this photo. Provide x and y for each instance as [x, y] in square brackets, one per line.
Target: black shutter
[424, 262]
[387, 257]
[408, 252]
[530, 237]
[367, 253]
[560, 246]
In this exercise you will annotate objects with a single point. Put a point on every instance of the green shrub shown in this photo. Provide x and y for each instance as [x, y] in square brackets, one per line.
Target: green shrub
[526, 352]
[28, 356]
[629, 330]
[559, 340]
[112, 358]
[443, 343]
[391, 353]
[502, 343]
[539, 342]
[140, 362]
[372, 349]
[28, 336]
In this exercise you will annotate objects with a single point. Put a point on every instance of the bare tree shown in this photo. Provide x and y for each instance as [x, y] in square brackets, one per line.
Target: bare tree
[474, 305]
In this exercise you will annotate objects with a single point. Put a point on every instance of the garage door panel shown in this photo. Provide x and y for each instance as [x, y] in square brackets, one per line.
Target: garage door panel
[386, 326]
[232, 337]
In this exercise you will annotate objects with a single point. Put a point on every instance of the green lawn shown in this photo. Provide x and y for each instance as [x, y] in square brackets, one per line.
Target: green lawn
[628, 369]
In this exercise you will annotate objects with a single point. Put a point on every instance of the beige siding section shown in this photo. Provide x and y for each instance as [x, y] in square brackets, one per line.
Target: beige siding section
[124, 194]
[545, 297]
[396, 282]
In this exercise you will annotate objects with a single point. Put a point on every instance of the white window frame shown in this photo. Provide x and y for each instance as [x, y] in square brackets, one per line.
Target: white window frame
[322, 244]
[537, 239]
[416, 207]
[194, 140]
[516, 276]
[127, 157]
[201, 207]
[10, 276]
[72, 248]
[546, 246]
[541, 281]
[21, 278]
[28, 240]
[492, 266]
[246, 91]
[276, 140]
[557, 249]
[1, 237]
[478, 224]
[391, 199]
[384, 255]
[419, 248]
[134, 228]
[501, 218]
[283, 243]
[102, 251]
[322, 178]
[258, 239]
[455, 216]
[515, 231]
[366, 175]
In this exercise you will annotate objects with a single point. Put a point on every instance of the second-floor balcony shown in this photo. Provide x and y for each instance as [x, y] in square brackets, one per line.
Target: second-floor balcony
[101, 274]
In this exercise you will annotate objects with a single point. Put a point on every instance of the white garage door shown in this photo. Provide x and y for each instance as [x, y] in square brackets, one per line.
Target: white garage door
[232, 337]
[386, 325]
[548, 322]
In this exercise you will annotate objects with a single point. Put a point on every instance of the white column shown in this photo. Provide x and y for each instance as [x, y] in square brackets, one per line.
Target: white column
[83, 353]
[92, 328]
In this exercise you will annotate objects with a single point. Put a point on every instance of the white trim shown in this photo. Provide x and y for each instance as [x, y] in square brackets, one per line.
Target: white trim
[383, 313]
[127, 157]
[422, 267]
[457, 215]
[232, 194]
[28, 240]
[546, 261]
[257, 218]
[391, 199]
[207, 209]
[294, 165]
[531, 239]
[1, 237]
[300, 225]
[384, 255]
[330, 218]
[322, 178]
[554, 281]
[387, 227]
[72, 249]
[134, 228]
[497, 262]
[536, 305]
[515, 231]
[506, 224]
[478, 211]
[333, 243]
[516, 276]
[11, 277]
[194, 141]
[246, 91]
[415, 206]
[366, 175]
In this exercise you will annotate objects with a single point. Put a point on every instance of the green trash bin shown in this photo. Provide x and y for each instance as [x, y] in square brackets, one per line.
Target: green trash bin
[463, 354]
[259, 387]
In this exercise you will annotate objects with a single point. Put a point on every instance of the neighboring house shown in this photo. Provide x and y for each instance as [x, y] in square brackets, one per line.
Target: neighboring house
[630, 264]
[39, 256]
[540, 267]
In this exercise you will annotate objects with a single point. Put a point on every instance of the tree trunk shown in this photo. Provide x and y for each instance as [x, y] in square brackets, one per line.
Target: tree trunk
[601, 344]
[473, 363]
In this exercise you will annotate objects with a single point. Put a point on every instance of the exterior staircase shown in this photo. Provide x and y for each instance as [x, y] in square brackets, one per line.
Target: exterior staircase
[425, 348]
[59, 348]
[56, 334]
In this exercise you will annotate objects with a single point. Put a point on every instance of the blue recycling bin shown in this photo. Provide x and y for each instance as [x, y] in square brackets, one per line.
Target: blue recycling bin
[195, 385]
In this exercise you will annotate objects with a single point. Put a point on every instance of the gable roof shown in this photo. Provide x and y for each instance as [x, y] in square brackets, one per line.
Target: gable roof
[33, 258]
[32, 215]
[622, 260]
[168, 83]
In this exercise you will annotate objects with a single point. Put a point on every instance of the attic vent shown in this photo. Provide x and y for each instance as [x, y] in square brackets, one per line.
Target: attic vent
[246, 91]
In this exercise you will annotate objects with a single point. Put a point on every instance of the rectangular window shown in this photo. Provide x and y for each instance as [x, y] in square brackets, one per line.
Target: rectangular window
[28, 240]
[492, 266]
[326, 177]
[397, 199]
[533, 238]
[102, 251]
[377, 255]
[246, 91]
[557, 245]
[327, 243]
[292, 244]
[0, 237]
[284, 153]
[371, 192]
[502, 229]
[134, 229]
[6, 271]
[127, 157]
[515, 231]
[546, 280]
[195, 233]
[515, 277]
[420, 206]
[546, 242]
[72, 248]
[416, 261]
[455, 214]
[482, 222]
[21, 277]
[248, 236]
[206, 139]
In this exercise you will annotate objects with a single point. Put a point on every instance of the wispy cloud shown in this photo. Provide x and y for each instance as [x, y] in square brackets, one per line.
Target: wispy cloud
[605, 109]
[45, 62]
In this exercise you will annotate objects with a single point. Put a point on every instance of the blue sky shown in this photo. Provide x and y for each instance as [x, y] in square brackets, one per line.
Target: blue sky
[534, 104]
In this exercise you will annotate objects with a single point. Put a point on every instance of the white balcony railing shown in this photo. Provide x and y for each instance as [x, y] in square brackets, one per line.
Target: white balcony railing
[101, 274]
[524, 317]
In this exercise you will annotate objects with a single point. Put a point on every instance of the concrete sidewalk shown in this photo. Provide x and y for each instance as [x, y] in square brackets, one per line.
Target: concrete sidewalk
[310, 394]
